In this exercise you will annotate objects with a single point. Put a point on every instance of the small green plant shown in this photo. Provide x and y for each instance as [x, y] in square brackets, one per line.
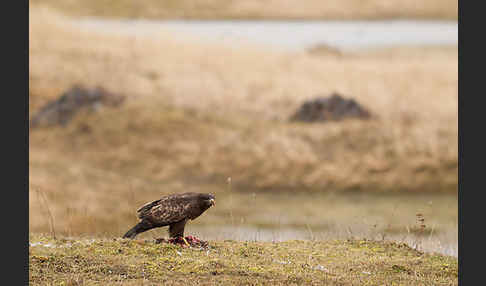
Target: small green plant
[419, 229]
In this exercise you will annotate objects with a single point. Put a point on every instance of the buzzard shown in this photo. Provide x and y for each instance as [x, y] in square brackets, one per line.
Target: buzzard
[172, 210]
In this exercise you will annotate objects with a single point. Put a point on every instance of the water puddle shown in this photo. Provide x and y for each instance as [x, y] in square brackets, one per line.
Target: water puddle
[444, 243]
[292, 35]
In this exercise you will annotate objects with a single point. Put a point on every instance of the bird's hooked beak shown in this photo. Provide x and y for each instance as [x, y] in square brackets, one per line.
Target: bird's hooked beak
[211, 201]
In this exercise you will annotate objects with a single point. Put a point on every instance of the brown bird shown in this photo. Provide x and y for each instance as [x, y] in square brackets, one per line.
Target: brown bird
[172, 210]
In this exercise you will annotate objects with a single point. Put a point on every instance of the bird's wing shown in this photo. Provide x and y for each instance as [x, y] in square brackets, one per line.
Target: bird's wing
[145, 209]
[164, 211]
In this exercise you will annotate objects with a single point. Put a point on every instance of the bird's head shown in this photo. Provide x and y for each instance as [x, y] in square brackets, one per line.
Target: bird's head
[209, 199]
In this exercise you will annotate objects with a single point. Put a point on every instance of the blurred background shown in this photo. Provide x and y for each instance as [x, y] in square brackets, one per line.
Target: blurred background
[306, 119]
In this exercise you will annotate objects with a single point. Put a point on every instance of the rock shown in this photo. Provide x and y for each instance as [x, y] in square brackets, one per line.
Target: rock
[63, 109]
[334, 107]
[325, 50]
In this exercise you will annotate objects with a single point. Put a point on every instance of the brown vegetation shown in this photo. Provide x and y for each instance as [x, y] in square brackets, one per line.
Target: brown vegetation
[203, 112]
[257, 9]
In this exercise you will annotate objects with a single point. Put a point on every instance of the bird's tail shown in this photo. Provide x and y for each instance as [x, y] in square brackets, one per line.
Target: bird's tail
[139, 228]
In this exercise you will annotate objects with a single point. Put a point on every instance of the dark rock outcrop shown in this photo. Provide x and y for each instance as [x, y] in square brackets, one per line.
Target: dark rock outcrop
[63, 109]
[334, 107]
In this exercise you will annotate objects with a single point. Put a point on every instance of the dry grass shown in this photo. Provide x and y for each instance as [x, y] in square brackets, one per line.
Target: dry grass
[197, 114]
[257, 9]
[205, 112]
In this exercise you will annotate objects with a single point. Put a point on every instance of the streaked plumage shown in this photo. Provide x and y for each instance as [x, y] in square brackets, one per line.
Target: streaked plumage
[173, 211]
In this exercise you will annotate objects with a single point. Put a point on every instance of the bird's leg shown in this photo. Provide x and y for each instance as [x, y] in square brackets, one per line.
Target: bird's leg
[177, 230]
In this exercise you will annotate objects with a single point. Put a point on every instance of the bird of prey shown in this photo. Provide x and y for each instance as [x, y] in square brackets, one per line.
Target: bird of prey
[172, 210]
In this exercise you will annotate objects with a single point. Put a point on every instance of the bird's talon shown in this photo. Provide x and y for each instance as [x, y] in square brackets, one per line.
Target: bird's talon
[185, 241]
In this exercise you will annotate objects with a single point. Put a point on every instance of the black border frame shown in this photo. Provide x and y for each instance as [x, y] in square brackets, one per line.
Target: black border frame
[15, 199]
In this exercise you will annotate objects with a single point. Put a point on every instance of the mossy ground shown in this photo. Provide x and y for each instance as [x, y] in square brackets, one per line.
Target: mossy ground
[116, 261]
